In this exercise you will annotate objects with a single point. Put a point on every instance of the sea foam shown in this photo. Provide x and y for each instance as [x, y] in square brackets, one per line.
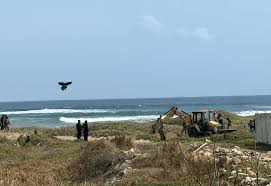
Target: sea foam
[252, 112]
[57, 111]
[263, 107]
[110, 119]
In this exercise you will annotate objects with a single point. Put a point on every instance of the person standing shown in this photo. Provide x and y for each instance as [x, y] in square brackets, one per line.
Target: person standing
[156, 125]
[162, 131]
[85, 131]
[79, 130]
[7, 124]
[2, 122]
[184, 130]
[220, 119]
[251, 126]
[229, 122]
[254, 125]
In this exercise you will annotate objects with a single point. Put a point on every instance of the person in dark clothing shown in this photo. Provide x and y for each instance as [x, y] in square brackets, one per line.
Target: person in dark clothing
[252, 126]
[85, 131]
[154, 126]
[2, 122]
[229, 122]
[220, 119]
[6, 124]
[162, 132]
[218, 116]
[185, 128]
[79, 129]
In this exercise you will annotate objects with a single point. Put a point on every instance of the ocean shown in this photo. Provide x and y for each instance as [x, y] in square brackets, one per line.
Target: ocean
[52, 114]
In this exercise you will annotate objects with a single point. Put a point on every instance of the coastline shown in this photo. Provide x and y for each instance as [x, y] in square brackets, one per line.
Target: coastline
[65, 113]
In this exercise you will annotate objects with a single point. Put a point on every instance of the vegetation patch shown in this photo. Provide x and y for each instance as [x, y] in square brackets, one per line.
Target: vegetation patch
[30, 173]
[42, 159]
[123, 141]
[95, 159]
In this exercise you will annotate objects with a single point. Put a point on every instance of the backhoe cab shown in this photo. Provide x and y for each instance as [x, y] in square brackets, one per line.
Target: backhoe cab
[204, 123]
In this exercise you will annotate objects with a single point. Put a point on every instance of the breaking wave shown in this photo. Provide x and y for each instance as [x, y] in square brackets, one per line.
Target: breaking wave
[57, 111]
[263, 107]
[252, 112]
[111, 119]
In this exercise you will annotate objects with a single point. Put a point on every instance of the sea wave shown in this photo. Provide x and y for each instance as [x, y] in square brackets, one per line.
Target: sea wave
[110, 119]
[263, 107]
[57, 111]
[252, 112]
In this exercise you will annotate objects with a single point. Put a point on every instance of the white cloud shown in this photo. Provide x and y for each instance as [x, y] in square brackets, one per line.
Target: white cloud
[151, 23]
[201, 33]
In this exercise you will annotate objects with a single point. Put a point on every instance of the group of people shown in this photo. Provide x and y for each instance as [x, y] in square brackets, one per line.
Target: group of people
[221, 121]
[4, 122]
[82, 129]
[219, 118]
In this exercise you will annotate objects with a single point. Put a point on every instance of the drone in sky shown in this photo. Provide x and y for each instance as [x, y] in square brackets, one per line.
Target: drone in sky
[64, 85]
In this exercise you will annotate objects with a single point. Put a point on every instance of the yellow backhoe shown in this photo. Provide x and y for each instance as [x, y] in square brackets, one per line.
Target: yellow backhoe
[200, 123]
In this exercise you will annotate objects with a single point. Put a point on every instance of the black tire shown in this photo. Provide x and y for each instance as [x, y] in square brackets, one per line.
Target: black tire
[208, 133]
[193, 132]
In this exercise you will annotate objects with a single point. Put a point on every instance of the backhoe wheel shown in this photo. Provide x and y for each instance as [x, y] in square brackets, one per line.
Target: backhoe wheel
[194, 132]
[208, 133]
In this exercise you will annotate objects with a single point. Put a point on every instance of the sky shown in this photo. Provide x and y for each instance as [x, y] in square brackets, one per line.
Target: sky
[134, 49]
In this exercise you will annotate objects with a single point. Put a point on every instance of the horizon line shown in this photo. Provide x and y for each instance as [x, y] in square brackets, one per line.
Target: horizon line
[97, 99]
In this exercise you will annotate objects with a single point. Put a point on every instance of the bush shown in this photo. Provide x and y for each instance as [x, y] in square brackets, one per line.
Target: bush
[123, 141]
[95, 159]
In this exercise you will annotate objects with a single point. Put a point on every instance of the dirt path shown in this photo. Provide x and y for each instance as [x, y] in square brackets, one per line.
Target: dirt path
[14, 136]
[72, 138]
[10, 135]
[142, 142]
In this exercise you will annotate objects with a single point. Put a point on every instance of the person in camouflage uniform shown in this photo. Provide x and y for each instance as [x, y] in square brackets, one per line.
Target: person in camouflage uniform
[162, 131]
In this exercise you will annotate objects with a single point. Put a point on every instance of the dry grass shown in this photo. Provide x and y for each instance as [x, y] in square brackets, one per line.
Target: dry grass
[148, 176]
[169, 162]
[30, 173]
[95, 159]
[41, 161]
[123, 141]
